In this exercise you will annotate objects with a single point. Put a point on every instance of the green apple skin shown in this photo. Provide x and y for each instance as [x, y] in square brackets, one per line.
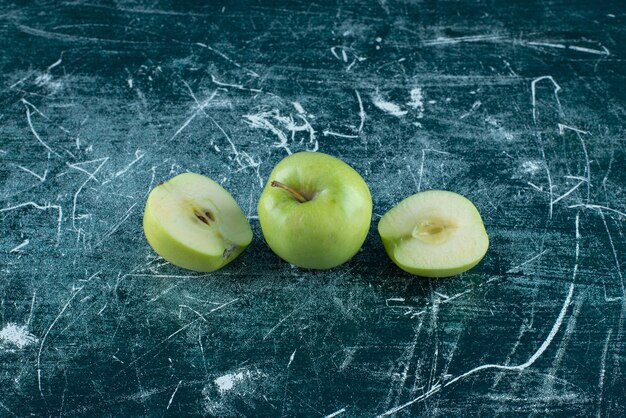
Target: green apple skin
[330, 227]
[448, 253]
[174, 231]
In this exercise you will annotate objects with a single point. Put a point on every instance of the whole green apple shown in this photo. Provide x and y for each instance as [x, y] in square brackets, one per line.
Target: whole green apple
[194, 223]
[435, 233]
[315, 210]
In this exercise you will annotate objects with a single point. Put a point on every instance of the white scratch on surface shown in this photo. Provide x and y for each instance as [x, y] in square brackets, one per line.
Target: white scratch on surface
[172, 335]
[166, 276]
[166, 291]
[570, 191]
[475, 106]
[17, 335]
[327, 132]
[348, 359]
[393, 300]
[223, 305]
[603, 371]
[569, 329]
[45, 80]
[274, 122]
[547, 44]
[40, 207]
[501, 39]
[407, 359]
[261, 120]
[32, 129]
[546, 343]
[198, 110]
[575, 178]
[78, 167]
[169, 337]
[114, 357]
[117, 225]
[434, 335]
[21, 80]
[283, 320]
[138, 156]
[194, 311]
[440, 301]
[410, 170]
[173, 394]
[447, 41]
[153, 170]
[43, 340]
[388, 107]
[242, 158]
[361, 111]
[603, 51]
[22, 245]
[91, 176]
[592, 206]
[563, 127]
[550, 187]
[514, 269]
[441, 295]
[362, 116]
[533, 91]
[299, 108]
[615, 256]
[334, 414]
[421, 170]
[102, 309]
[293, 355]
[77, 140]
[32, 308]
[578, 133]
[451, 298]
[250, 72]
[236, 86]
[571, 323]
[8, 410]
[41, 178]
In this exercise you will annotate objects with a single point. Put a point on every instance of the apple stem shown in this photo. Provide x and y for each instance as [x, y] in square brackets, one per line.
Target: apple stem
[293, 192]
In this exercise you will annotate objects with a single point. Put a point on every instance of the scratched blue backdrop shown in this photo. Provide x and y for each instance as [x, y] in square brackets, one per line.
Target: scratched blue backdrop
[518, 105]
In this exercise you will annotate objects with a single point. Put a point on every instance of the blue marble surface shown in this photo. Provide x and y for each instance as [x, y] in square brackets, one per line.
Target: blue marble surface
[518, 105]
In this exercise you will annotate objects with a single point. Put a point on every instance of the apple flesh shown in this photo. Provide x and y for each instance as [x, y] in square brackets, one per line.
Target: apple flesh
[194, 223]
[434, 233]
[315, 210]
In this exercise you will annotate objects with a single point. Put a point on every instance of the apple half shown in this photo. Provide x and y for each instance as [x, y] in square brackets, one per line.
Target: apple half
[194, 223]
[435, 233]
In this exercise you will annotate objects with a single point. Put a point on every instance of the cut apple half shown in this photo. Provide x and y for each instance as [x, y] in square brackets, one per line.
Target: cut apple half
[194, 223]
[435, 233]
